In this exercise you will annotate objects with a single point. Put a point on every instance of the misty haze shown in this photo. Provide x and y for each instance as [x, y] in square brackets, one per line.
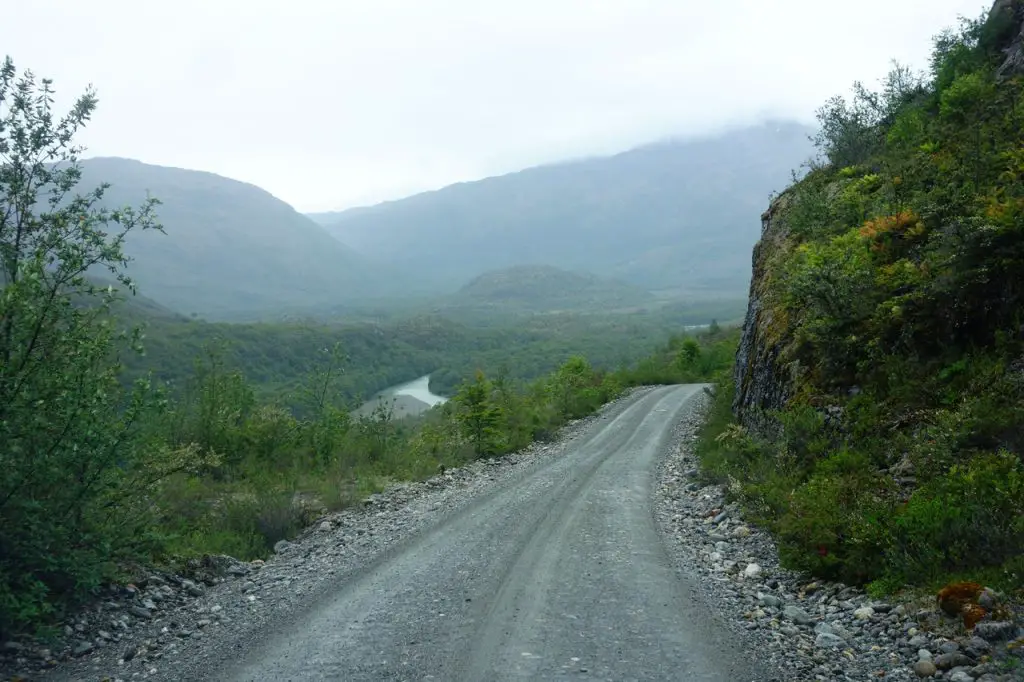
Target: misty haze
[501, 341]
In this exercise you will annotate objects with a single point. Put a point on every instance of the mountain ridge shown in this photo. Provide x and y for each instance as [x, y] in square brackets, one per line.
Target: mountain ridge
[643, 215]
[228, 244]
[545, 288]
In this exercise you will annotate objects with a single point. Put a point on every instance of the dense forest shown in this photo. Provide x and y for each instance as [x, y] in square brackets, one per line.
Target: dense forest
[880, 388]
[276, 357]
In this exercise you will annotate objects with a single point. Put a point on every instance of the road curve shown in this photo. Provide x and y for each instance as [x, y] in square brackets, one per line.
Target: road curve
[558, 575]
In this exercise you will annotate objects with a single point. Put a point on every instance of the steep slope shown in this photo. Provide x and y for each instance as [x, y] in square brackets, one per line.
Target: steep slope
[880, 377]
[228, 245]
[674, 215]
[542, 288]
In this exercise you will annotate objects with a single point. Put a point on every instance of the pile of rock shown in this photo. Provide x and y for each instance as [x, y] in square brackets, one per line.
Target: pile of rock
[804, 629]
[123, 616]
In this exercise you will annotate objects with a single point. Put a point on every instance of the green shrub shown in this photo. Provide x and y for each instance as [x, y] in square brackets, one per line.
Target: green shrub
[973, 516]
[833, 526]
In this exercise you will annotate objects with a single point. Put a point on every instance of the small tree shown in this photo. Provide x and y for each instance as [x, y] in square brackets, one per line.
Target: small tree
[328, 422]
[70, 443]
[478, 415]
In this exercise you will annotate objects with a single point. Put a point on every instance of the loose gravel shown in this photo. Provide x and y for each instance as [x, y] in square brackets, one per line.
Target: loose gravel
[803, 629]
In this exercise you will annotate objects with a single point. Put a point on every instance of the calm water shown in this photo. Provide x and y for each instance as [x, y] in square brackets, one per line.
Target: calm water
[410, 398]
[418, 389]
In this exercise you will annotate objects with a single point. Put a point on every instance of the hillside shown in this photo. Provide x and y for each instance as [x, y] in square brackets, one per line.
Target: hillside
[540, 288]
[879, 383]
[678, 215]
[229, 246]
[277, 357]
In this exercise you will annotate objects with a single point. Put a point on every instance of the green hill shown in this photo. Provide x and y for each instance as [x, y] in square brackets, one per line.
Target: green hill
[229, 246]
[541, 288]
[678, 215]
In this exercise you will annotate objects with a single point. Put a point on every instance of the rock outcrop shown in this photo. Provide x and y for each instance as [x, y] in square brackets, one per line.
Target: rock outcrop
[1012, 12]
[763, 378]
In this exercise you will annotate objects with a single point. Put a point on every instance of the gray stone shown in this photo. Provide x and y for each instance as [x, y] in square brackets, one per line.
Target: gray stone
[824, 628]
[960, 676]
[977, 647]
[995, 631]
[140, 612]
[925, 669]
[191, 588]
[949, 647]
[769, 600]
[825, 640]
[987, 599]
[81, 649]
[797, 615]
[282, 546]
[948, 661]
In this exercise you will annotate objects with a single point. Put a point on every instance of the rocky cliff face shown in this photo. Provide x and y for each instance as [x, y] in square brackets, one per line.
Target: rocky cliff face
[1011, 12]
[762, 377]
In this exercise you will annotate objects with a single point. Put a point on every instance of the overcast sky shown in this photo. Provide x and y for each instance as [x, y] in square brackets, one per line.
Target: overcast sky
[329, 104]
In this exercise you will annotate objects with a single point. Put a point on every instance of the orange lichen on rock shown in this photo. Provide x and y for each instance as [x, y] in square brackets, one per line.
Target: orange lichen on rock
[961, 600]
[971, 614]
[954, 596]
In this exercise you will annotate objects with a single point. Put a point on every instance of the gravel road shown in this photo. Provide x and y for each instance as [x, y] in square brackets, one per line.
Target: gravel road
[600, 556]
[559, 574]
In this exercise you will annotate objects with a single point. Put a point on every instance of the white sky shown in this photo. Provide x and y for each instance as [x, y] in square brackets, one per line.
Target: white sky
[332, 104]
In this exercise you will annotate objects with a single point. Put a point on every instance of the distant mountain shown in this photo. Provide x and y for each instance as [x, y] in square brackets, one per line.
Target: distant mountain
[541, 288]
[680, 215]
[229, 246]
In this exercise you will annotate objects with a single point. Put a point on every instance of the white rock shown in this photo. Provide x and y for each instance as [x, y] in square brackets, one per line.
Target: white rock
[864, 613]
[752, 571]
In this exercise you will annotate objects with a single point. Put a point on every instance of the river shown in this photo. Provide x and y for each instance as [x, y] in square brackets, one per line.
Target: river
[408, 399]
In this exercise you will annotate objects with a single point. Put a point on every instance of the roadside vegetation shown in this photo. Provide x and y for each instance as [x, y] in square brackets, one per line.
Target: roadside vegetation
[123, 450]
[897, 296]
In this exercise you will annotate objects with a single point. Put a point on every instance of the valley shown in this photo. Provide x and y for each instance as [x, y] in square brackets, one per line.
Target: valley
[741, 404]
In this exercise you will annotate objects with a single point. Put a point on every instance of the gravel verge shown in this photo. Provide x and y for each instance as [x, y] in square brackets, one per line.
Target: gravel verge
[169, 626]
[803, 629]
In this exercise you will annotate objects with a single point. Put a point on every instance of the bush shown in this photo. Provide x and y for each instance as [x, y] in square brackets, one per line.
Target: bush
[833, 526]
[972, 516]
